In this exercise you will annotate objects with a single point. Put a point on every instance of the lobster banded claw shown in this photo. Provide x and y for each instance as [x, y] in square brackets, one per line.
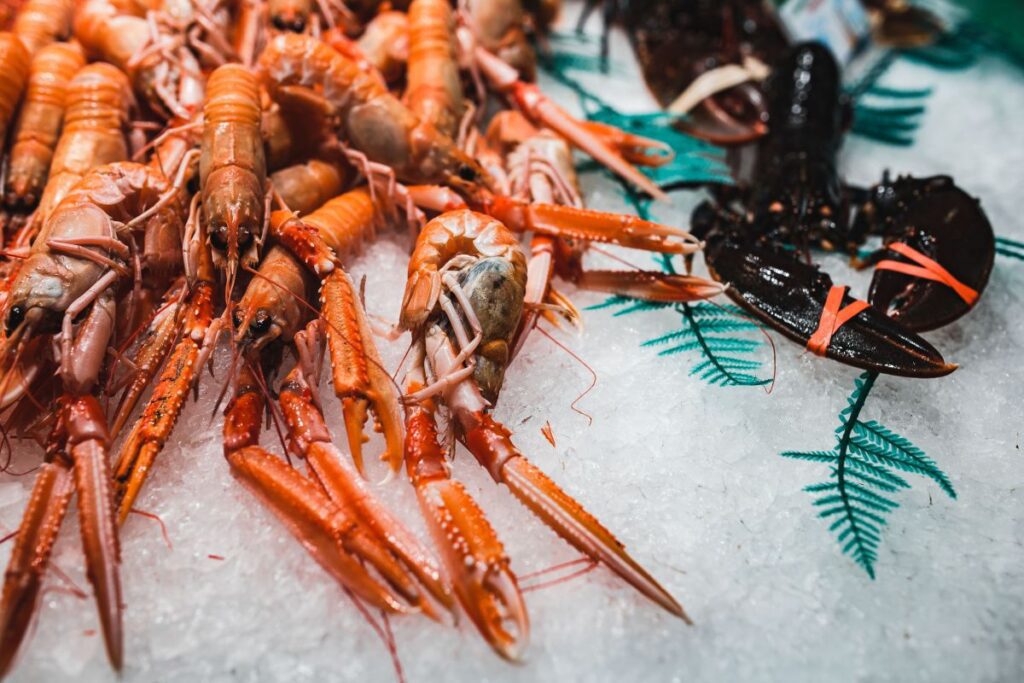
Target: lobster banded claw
[947, 227]
[790, 295]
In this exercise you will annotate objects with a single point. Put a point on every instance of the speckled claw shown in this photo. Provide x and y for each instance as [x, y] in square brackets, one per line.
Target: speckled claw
[343, 485]
[332, 532]
[157, 342]
[88, 441]
[474, 557]
[359, 378]
[490, 442]
[77, 462]
[304, 241]
[470, 549]
[150, 432]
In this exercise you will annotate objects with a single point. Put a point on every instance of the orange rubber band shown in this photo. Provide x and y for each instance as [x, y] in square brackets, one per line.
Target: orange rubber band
[927, 269]
[832, 318]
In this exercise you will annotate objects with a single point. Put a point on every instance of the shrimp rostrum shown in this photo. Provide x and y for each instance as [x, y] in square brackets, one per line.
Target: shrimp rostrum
[463, 303]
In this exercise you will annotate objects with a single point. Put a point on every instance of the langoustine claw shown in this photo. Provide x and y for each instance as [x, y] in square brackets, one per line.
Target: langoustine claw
[463, 303]
[331, 512]
[77, 463]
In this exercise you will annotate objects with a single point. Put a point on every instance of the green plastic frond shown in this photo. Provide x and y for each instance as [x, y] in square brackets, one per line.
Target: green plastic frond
[882, 442]
[952, 52]
[881, 484]
[813, 456]
[628, 305]
[705, 330]
[855, 498]
[898, 93]
[1010, 248]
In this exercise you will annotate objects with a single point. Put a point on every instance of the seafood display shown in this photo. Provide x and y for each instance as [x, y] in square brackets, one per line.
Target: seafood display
[185, 180]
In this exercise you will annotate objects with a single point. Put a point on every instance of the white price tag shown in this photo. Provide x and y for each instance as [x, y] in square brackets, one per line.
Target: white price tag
[842, 25]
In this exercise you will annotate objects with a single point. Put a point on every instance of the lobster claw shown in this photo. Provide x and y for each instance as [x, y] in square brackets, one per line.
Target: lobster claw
[939, 252]
[735, 116]
[791, 295]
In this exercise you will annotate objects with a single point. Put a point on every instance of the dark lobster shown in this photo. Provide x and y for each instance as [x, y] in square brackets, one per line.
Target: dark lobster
[678, 42]
[706, 58]
[938, 245]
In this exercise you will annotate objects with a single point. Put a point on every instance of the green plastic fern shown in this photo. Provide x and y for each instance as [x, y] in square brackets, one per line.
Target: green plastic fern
[708, 330]
[856, 496]
[882, 113]
[1010, 248]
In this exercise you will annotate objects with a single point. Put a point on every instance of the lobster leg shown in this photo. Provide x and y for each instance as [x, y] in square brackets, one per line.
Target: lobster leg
[359, 378]
[490, 443]
[568, 222]
[594, 226]
[470, 549]
[635, 149]
[20, 370]
[649, 285]
[78, 448]
[150, 433]
[157, 343]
